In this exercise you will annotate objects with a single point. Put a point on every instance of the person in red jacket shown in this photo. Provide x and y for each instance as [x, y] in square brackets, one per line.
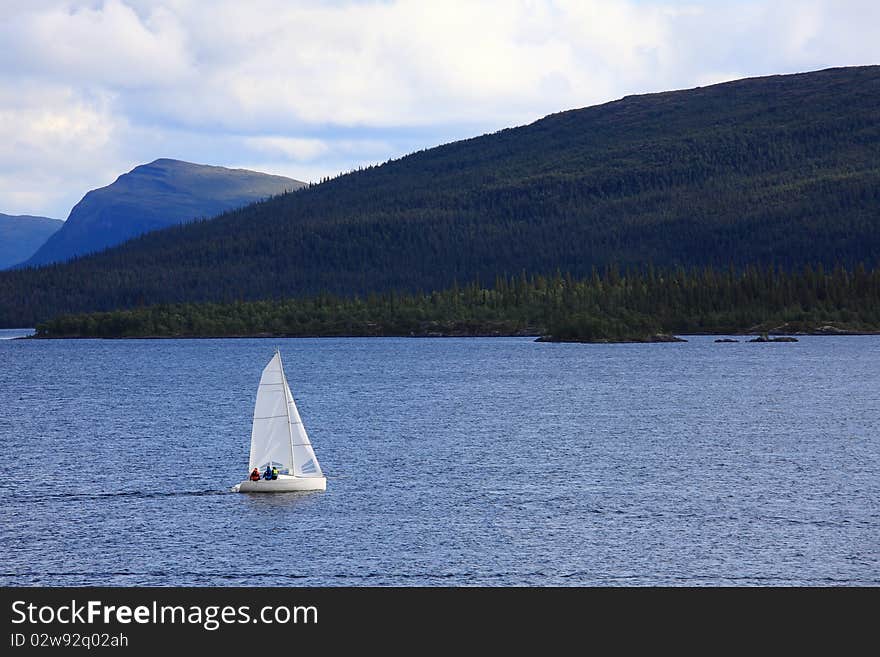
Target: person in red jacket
[255, 475]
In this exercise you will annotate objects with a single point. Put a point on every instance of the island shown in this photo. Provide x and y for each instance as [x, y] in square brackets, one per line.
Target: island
[765, 338]
[656, 337]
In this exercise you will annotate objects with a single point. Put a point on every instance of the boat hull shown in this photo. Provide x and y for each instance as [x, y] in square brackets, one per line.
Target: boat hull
[284, 484]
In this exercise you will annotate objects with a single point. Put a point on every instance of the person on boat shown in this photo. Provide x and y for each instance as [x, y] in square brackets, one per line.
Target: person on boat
[274, 472]
[255, 475]
[268, 473]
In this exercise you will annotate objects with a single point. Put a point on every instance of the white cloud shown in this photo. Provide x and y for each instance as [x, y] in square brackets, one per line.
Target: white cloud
[294, 148]
[319, 87]
[55, 144]
[108, 46]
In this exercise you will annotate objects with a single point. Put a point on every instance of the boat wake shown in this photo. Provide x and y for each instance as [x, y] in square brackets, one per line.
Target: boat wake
[136, 494]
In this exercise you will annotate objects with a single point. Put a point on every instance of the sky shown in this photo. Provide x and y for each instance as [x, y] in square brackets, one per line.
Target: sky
[91, 89]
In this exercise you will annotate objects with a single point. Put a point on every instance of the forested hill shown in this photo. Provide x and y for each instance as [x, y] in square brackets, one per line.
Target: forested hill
[781, 169]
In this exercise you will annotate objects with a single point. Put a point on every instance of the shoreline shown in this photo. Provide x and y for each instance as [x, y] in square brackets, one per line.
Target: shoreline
[537, 336]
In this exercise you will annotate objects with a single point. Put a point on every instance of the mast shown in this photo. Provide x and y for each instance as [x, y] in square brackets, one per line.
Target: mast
[286, 410]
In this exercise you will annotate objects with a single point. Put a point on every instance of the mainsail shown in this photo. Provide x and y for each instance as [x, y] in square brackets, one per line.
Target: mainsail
[278, 437]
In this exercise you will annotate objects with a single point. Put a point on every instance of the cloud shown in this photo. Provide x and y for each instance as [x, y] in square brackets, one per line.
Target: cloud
[55, 144]
[91, 88]
[108, 45]
[294, 148]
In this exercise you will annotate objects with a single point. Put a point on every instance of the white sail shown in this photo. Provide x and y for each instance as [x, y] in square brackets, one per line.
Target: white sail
[305, 463]
[270, 435]
[278, 437]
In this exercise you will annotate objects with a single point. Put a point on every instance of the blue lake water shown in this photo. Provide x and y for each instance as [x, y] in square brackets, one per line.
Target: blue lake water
[449, 462]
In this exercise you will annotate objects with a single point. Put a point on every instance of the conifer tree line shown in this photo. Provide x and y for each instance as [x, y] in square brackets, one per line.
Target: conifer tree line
[606, 305]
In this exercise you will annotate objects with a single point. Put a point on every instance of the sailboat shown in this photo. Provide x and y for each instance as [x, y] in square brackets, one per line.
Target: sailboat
[279, 439]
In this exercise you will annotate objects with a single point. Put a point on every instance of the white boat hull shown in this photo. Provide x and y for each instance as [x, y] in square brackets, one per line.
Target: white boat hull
[284, 484]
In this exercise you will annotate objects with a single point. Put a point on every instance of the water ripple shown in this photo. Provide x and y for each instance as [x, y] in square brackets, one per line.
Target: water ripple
[450, 463]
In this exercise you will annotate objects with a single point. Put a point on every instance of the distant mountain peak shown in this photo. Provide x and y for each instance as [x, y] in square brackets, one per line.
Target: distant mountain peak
[21, 235]
[152, 196]
[171, 163]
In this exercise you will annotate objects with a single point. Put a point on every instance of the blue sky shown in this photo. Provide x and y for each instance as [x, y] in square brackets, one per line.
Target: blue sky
[90, 89]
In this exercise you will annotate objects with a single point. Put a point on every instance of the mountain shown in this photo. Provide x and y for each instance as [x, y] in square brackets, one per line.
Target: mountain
[22, 235]
[153, 196]
[781, 170]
